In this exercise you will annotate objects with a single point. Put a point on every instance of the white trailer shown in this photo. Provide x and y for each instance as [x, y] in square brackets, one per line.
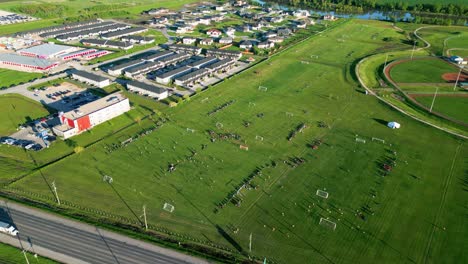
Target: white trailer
[8, 229]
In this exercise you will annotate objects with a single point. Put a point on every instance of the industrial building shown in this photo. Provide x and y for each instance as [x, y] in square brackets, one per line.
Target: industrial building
[57, 28]
[166, 77]
[77, 54]
[158, 55]
[107, 43]
[152, 91]
[90, 78]
[86, 33]
[22, 63]
[47, 51]
[172, 59]
[90, 115]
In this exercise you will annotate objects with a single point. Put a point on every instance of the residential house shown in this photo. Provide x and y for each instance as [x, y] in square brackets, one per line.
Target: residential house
[329, 17]
[276, 39]
[301, 13]
[189, 40]
[283, 32]
[230, 31]
[246, 44]
[214, 33]
[226, 40]
[266, 45]
[206, 41]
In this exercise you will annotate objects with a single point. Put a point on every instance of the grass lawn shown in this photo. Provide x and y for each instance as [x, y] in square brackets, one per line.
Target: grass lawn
[391, 219]
[11, 255]
[454, 107]
[443, 38]
[11, 77]
[421, 71]
[17, 110]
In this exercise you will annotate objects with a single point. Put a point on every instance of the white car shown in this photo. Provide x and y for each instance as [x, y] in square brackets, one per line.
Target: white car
[29, 146]
[8, 229]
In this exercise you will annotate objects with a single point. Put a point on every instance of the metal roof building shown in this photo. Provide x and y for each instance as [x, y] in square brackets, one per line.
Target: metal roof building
[46, 51]
[17, 61]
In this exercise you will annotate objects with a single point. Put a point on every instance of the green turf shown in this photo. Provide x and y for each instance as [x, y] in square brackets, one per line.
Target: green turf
[421, 71]
[12, 255]
[410, 202]
[17, 110]
[444, 38]
[11, 77]
[454, 107]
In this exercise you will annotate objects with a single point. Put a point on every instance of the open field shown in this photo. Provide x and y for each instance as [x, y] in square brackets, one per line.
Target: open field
[17, 110]
[421, 71]
[11, 77]
[444, 38]
[454, 107]
[413, 214]
[12, 255]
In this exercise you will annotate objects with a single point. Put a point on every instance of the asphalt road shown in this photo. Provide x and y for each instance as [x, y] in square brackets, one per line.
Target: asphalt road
[74, 242]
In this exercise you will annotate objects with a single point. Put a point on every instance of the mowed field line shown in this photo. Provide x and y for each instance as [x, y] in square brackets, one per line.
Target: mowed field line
[441, 205]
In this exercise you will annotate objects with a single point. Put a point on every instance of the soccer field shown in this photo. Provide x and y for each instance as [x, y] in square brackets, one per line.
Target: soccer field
[394, 195]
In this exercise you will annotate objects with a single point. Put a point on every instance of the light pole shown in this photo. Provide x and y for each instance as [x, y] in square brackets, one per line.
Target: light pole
[458, 77]
[433, 100]
[55, 191]
[414, 47]
[386, 59]
[144, 216]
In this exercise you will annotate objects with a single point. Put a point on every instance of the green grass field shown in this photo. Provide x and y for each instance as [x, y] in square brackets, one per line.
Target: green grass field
[454, 107]
[17, 110]
[12, 255]
[11, 77]
[421, 71]
[391, 219]
[444, 38]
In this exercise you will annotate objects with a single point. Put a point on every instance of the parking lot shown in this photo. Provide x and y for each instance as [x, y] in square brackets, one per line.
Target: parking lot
[64, 97]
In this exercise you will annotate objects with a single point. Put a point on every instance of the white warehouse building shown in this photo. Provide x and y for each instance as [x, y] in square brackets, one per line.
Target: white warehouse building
[152, 91]
[90, 78]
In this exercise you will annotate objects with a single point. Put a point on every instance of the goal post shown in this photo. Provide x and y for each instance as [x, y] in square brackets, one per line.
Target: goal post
[360, 140]
[168, 207]
[263, 88]
[322, 194]
[190, 130]
[259, 138]
[327, 223]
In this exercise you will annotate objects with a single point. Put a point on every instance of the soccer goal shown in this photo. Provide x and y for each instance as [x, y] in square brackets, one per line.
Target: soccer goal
[190, 130]
[360, 140]
[243, 147]
[305, 62]
[168, 207]
[289, 114]
[259, 138]
[204, 100]
[322, 194]
[219, 125]
[314, 56]
[107, 179]
[327, 223]
[379, 140]
[263, 88]
[252, 104]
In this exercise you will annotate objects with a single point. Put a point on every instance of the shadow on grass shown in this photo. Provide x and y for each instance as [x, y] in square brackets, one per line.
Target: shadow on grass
[380, 121]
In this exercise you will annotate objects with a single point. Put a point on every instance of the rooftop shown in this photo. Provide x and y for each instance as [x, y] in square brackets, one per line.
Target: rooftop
[46, 49]
[147, 87]
[90, 76]
[25, 60]
[95, 106]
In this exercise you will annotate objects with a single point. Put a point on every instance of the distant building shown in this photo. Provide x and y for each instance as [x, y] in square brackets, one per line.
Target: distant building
[226, 40]
[107, 43]
[329, 17]
[23, 63]
[138, 39]
[301, 13]
[46, 51]
[152, 91]
[90, 78]
[90, 115]
[189, 40]
[266, 45]
[246, 44]
[206, 41]
[214, 33]
[457, 60]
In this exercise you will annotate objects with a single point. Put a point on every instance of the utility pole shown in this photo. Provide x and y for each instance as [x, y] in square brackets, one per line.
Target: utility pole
[250, 243]
[55, 191]
[144, 216]
[458, 77]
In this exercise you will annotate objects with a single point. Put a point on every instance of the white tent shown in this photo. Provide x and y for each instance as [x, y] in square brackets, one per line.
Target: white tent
[393, 125]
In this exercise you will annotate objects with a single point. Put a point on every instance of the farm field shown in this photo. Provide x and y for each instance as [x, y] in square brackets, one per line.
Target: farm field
[11, 77]
[451, 106]
[421, 71]
[17, 110]
[390, 191]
